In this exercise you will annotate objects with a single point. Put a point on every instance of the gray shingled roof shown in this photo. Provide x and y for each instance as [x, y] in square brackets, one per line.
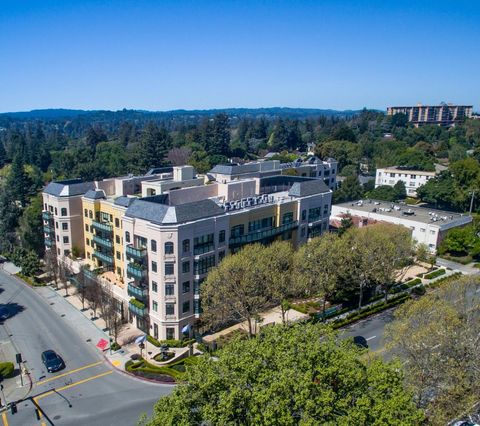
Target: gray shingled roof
[163, 214]
[95, 194]
[309, 187]
[124, 201]
[68, 188]
[234, 169]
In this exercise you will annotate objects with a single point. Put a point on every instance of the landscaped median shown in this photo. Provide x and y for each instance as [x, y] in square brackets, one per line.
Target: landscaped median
[434, 274]
[170, 373]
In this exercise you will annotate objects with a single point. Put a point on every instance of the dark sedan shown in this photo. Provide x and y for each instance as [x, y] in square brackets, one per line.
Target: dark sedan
[53, 362]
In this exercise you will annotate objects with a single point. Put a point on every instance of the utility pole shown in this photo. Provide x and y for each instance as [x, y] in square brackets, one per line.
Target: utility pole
[471, 201]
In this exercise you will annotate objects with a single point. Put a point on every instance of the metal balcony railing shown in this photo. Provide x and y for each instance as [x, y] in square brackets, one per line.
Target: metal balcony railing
[137, 253]
[135, 270]
[47, 215]
[262, 233]
[105, 227]
[48, 229]
[137, 309]
[139, 292]
[103, 241]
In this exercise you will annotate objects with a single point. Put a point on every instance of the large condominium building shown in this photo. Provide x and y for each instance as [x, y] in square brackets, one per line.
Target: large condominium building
[428, 226]
[412, 179]
[444, 114]
[312, 167]
[156, 250]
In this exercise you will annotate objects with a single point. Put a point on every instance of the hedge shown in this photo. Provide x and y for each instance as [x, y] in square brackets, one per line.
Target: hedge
[445, 280]
[363, 313]
[6, 369]
[171, 343]
[30, 281]
[115, 346]
[434, 274]
[165, 373]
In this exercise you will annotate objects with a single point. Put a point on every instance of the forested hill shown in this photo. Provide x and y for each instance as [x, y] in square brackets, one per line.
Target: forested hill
[100, 115]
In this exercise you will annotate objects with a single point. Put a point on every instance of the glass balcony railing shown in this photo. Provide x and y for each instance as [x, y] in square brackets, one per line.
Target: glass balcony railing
[48, 242]
[105, 227]
[138, 308]
[47, 215]
[203, 248]
[262, 233]
[137, 253]
[48, 229]
[103, 257]
[135, 270]
[136, 291]
[102, 241]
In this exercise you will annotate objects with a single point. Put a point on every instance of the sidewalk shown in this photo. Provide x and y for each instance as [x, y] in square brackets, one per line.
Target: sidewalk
[69, 308]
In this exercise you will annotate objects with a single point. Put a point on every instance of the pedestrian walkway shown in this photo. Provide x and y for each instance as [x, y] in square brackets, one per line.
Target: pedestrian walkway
[16, 387]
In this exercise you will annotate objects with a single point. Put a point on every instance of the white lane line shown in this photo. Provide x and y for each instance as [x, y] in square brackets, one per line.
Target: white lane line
[370, 338]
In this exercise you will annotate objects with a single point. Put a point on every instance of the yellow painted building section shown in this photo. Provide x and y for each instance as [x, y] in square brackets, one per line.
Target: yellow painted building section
[105, 211]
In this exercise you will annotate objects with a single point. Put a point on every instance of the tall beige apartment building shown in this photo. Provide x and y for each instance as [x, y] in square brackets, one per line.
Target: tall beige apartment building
[154, 238]
[443, 114]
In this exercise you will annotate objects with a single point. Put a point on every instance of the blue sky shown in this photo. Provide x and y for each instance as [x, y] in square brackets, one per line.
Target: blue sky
[162, 54]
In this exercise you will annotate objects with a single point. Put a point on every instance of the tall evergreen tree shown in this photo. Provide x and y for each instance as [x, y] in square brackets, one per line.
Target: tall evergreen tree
[18, 183]
[154, 145]
[221, 136]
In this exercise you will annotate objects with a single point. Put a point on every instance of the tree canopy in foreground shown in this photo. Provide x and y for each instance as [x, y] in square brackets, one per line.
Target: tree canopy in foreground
[297, 375]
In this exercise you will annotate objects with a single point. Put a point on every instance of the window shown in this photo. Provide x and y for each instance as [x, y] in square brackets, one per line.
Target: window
[66, 252]
[304, 214]
[221, 255]
[186, 307]
[65, 240]
[169, 289]
[155, 331]
[117, 223]
[63, 211]
[86, 227]
[87, 241]
[432, 232]
[203, 244]
[154, 266]
[237, 231]
[170, 309]
[88, 255]
[153, 245]
[117, 239]
[64, 226]
[56, 225]
[202, 266]
[58, 239]
[85, 212]
[119, 256]
[170, 333]
[119, 271]
[196, 286]
[287, 218]
[221, 236]
[422, 229]
[314, 214]
[154, 287]
[413, 176]
[196, 307]
[266, 222]
[186, 246]
[56, 211]
[186, 287]
[169, 248]
[127, 237]
[155, 306]
[186, 267]
[106, 217]
[169, 269]
[90, 214]
[325, 210]
[392, 175]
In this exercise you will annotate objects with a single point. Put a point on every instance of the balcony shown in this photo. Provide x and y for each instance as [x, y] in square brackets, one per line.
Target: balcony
[49, 242]
[102, 242]
[47, 229]
[100, 226]
[136, 253]
[136, 270]
[139, 292]
[138, 308]
[203, 248]
[262, 234]
[47, 215]
[103, 257]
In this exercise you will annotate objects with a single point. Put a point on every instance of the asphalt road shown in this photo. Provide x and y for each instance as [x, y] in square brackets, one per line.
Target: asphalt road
[372, 329]
[88, 391]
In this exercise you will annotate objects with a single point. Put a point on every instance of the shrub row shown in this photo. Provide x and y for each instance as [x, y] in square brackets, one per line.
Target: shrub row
[172, 371]
[6, 369]
[363, 313]
[34, 282]
[434, 274]
[171, 343]
[406, 285]
[445, 280]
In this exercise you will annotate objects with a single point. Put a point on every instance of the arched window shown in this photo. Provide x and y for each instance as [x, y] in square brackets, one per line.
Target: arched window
[63, 212]
[127, 236]
[168, 248]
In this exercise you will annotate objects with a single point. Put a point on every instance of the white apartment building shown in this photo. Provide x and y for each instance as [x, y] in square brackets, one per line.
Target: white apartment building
[155, 251]
[412, 179]
[428, 226]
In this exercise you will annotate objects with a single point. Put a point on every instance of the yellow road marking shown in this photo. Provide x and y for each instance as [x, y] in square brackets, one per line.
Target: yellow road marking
[69, 372]
[43, 424]
[4, 419]
[71, 385]
[116, 363]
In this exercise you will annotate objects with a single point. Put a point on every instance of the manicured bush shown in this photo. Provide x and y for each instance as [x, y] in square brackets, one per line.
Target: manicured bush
[159, 357]
[419, 291]
[445, 280]
[153, 341]
[434, 274]
[168, 373]
[115, 346]
[6, 369]
[171, 343]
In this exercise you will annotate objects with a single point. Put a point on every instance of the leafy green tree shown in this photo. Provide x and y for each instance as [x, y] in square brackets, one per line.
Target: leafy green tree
[220, 140]
[299, 375]
[345, 224]
[460, 241]
[399, 120]
[389, 193]
[437, 338]
[18, 183]
[30, 264]
[350, 189]
[153, 147]
[30, 226]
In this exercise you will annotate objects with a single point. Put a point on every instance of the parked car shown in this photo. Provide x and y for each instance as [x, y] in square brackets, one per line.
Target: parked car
[360, 341]
[4, 313]
[52, 361]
